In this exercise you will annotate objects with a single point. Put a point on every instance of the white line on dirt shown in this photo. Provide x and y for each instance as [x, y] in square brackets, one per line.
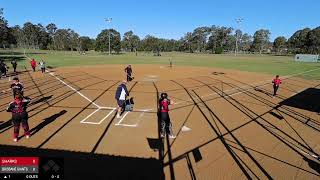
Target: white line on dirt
[127, 125]
[85, 97]
[89, 122]
[122, 119]
[249, 86]
[83, 121]
[107, 116]
[146, 110]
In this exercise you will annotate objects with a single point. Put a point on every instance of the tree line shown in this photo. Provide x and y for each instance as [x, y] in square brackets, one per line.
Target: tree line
[206, 39]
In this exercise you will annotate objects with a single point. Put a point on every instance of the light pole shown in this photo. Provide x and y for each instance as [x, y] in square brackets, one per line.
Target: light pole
[109, 21]
[239, 21]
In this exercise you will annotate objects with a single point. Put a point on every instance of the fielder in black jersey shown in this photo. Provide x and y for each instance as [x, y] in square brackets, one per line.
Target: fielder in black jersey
[18, 108]
[16, 87]
[128, 70]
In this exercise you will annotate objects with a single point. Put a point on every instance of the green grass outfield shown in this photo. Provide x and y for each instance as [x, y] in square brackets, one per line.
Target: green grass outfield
[282, 65]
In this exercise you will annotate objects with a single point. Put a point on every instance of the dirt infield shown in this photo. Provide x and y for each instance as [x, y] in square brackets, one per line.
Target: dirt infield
[237, 130]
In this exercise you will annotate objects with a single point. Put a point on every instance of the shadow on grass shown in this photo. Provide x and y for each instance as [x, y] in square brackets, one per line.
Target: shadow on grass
[18, 53]
[7, 59]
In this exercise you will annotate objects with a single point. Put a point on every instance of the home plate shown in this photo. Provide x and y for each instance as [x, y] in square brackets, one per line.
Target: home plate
[185, 129]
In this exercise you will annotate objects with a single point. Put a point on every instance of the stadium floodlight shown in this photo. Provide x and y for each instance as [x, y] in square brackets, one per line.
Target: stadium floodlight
[109, 20]
[239, 21]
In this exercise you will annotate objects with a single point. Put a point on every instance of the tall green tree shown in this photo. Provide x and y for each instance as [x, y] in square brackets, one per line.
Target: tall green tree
[130, 41]
[30, 33]
[200, 36]
[279, 44]
[62, 39]
[186, 43]
[150, 43]
[102, 41]
[298, 42]
[313, 41]
[246, 42]
[74, 40]
[261, 40]
[220, 38]
[238, 38]
[43, 37]
[86, 43]
[4, 30]
[51, 29]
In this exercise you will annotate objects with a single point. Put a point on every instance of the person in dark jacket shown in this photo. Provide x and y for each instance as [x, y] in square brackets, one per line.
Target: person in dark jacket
[121, 95]
[3, 68]
[164, 103]
[18, 108]
[14, 65]
[128, 70]
[16, 87]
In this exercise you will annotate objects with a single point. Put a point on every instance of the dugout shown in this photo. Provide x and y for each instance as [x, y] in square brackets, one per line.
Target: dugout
[307, 58]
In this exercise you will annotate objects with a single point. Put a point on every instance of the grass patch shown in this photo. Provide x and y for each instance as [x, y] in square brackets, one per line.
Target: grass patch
[282, 65]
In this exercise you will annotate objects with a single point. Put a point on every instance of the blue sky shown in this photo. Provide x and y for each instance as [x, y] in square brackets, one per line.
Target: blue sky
[165, 18]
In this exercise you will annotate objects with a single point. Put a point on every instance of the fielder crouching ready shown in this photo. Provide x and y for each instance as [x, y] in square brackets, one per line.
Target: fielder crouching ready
[18, 108]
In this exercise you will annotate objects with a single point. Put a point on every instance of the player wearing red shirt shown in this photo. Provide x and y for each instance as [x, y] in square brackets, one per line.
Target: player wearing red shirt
[164, 103]
[33, 64]
[276, 83]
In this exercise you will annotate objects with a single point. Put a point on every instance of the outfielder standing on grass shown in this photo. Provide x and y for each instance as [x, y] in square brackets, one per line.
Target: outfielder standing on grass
[4, 68]
[33, 64]
[18, 108]
[121, 95]
[164, 103]
[276, 83]
[1, 68]
[14, 65]
[16, 87]
[128, 70]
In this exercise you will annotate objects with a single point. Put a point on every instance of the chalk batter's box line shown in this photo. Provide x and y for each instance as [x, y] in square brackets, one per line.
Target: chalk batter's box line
[84, 121]
[96, 123]
[130, 125]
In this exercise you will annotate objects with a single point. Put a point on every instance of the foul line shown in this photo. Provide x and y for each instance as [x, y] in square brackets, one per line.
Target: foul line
[85, 97]
[98, 107]
[262, 84]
